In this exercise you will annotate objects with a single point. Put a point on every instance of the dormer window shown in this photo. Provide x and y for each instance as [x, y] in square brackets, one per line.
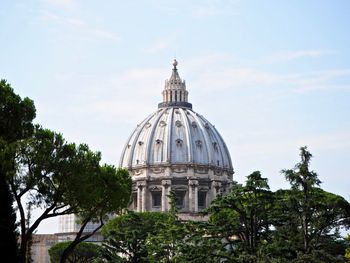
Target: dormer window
[140, 143]
[158, 141]
[194, 124]
[199, 143]
[179, 142]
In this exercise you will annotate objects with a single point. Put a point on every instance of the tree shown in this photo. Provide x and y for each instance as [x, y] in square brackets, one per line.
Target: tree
[63, 178]
[202, 242]
[108, 191]
[16, 117]
[84, 252]
[303, 181]
[243, 215]
[307, 219]
[164, 246]
[347, 251]
[128, 235]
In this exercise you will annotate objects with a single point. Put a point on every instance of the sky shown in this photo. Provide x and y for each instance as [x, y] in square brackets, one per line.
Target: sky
[272, 76]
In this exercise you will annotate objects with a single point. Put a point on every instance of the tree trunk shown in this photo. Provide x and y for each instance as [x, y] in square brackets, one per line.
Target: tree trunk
[8, 239]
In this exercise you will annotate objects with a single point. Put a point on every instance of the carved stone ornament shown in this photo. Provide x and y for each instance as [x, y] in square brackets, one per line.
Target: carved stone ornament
[162, 123]
[178, 123]
[166, 183]
[179, 170]
[201, 170]
[193, 183]
[155, 189]
[203, 188]
[141, 183]
[157, 170]
[179, 188]
[218, 172]
[138, 171]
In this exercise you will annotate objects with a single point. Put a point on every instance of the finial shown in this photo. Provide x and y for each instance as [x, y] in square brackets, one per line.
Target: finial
[175, 63]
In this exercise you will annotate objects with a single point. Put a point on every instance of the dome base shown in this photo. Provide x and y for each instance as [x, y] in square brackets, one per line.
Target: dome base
[177, 104]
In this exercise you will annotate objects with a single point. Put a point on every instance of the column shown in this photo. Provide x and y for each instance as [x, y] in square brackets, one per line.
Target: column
[196, 198]
[167, 96]
[215, 189]
[144, 198]
[165, 191]
[193, 195]
[141, 196]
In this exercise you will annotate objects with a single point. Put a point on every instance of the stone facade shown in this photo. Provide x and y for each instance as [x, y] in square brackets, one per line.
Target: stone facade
[40, 247]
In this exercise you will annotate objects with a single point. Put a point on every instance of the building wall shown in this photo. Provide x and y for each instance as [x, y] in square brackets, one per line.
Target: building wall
[40, 247]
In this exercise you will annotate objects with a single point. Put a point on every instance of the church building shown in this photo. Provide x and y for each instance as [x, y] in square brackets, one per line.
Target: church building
[176, 149]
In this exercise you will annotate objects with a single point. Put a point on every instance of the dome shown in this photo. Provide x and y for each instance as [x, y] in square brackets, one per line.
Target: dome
[176, 149]
[176, 136]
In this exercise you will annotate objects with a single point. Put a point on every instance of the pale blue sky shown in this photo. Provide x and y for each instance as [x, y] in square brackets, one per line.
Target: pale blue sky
[270, 75]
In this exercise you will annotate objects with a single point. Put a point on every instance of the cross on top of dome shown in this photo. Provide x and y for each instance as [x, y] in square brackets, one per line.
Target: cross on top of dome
[175, 63]
[175, 78]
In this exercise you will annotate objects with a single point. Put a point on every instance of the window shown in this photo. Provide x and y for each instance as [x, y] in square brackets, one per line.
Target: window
[202, 196]
[178, 142]
[156, 199]
[180, 196]
[134, 200]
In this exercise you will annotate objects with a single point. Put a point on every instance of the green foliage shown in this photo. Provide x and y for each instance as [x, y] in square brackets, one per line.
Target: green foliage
[63, 178]
[249, 224]
[83, 252]
[16, 117]
[347, 250]
[306, 219]
[108, 191]
[247, 209]
[129, 234]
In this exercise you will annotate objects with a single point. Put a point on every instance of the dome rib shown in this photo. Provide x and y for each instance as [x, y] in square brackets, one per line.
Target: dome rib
[151, 139]
[170, 121]
[222, 147]
[131, 155]
[206, 139]
[124, 149]
[214, 134]
[188, 135]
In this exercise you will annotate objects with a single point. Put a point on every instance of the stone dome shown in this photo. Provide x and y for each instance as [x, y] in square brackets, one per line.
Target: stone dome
[176, 136]
[176, 149]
